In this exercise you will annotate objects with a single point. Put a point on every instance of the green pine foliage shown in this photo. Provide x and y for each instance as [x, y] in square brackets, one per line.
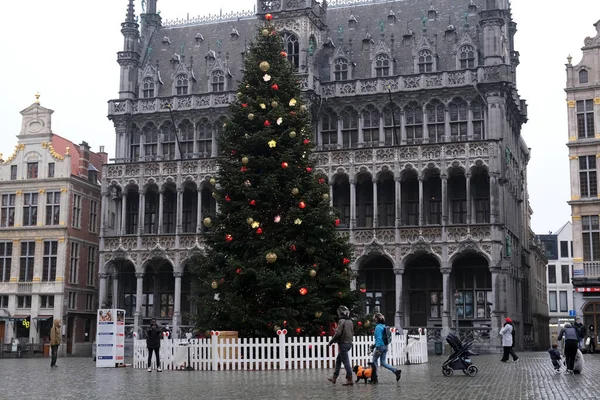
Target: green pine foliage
[271, 202]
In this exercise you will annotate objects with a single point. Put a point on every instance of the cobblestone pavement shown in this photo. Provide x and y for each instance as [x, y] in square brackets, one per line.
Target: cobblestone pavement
[77, 378]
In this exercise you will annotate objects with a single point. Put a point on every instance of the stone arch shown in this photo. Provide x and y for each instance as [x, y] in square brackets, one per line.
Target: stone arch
[424, 285]
[364, 199]
[466, 247]
[376, 277]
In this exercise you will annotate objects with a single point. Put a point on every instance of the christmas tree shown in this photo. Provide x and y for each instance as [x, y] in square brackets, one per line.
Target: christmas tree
[273, 258]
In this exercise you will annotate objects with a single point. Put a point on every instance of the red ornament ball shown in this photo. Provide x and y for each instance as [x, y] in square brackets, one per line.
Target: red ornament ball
[244, 105]
[268, 17]
[323, 333]
[243, 169]
[284, 165]
[293, 247]
[363, 290]
[284, 322]
[233, 152]
[321, 180]
[227, 198]
[346, 261]
[359, 323]
[302, 204]
[337, 222]
[253, 203]
[308, 169]
[275, 86]
[306, 141]
[283, 54]
[228, 238]
[298, 331]
[267, 123]
[259, 231]
[238, 271]
[303, 291]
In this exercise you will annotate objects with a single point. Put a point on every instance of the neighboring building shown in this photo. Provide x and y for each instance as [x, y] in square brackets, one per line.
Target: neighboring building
[558, 248]
[49, 224]
[417, 124]
[583, 106]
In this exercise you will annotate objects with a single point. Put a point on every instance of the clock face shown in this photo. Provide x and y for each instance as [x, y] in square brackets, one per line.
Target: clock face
[35, 126]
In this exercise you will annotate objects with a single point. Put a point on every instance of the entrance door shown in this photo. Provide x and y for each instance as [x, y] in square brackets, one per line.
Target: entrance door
[418, 308]
[2, 327]
[70, 329]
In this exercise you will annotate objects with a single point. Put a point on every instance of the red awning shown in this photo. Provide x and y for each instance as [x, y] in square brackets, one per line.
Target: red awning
[43, 317]
[18, 317]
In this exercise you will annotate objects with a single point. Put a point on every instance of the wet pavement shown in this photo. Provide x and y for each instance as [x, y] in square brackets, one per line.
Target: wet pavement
[532, 377]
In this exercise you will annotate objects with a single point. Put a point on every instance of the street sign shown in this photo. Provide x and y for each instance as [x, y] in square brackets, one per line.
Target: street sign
[572, 313]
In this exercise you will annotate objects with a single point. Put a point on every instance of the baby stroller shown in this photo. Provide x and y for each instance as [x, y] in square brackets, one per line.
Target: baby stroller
[460, 358]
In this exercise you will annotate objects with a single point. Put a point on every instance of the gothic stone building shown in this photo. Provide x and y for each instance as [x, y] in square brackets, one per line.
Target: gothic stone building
[417, 120]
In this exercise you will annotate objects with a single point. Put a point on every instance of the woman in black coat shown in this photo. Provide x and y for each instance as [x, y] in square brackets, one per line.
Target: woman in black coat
[153, 337]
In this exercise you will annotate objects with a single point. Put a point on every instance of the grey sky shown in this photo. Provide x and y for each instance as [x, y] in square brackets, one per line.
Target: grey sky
[66, 50]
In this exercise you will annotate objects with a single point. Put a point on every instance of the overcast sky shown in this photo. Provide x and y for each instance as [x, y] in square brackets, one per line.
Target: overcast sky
[66, 50]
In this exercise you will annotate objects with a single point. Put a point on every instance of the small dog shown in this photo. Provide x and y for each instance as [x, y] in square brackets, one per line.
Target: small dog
[363, 373]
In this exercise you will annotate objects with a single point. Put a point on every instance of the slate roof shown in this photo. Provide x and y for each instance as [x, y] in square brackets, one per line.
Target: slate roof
[409, 15]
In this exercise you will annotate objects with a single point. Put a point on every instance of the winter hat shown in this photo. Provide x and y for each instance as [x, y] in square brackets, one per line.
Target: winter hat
[508, 320]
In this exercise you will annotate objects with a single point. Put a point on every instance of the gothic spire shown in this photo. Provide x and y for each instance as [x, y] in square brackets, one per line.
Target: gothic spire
[130, 12]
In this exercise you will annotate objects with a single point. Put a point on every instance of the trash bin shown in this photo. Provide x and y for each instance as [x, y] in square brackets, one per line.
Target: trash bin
[438, 348]
[46, 349]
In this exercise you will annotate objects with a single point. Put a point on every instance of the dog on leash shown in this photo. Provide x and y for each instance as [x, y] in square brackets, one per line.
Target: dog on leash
[363, 373]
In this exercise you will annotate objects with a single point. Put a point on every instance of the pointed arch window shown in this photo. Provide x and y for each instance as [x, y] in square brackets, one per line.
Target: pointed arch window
[425, 61]
[382, 65]
[134, 144]
[478, 112]
[413, 113]
[168, 140]
[186, 136]
[583, 76]
[329, 137]
[370, 117]
[340, 69]
[150, 141]
[219, 126]
[466, 56]
[181, 84]
[204, 138]
[391, 124]
[459, 116]
[148, 88]
[436, 115]
[349, 127]
[218, 81]
[292, 48]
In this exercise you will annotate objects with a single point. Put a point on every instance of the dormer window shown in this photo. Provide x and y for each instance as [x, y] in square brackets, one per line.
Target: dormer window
[218, 81]
[466, 56]
[340, 69]
[32, 170]
[148, 90]
[425, 61]
[583, 76]
[382, 65]
[181, 85]
[292, 48]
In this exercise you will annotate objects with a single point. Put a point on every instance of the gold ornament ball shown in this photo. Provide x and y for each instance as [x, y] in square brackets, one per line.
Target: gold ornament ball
[295, 191]
[214, 285]
[271, 257]
[244, 160]
[264, 66]
[303, 108]
[274, 104]
[213, 181]
[276, 328]
[367, 323]
[293, 134]
[249, 220]
[265, 32]
[288, 285]
[239, 95]
[325, 196]
[312, 273]
[214, 195]
[207, 222]
[318, 314]
[251, 117]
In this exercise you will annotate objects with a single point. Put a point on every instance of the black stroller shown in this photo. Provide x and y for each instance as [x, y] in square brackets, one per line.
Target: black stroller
[460, 358]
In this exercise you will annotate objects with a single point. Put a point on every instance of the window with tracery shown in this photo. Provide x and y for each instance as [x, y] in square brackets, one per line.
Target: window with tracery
[181, 84]
[148, 88]
[134, 144]
[391, 124]
[436, 116]
[478, 112]
[150, 141]
[329, 137]
[292, 48]
[585, 119]
[425, 61]
[186, 137]
[168, 141]
[340, 69]
[459, 118]
[218, 81]
[371, 126]
[349, 128]
[382, 65]
[204, 128]
[466, 56]
[413, 113]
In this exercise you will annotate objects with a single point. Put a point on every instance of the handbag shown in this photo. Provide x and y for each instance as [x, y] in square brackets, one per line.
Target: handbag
[587, 341]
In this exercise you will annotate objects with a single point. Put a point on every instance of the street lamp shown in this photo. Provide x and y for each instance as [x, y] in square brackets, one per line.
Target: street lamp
[456, 297]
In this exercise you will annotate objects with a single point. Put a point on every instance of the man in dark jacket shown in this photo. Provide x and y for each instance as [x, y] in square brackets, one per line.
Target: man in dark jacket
[571, 340]
[581, 332]
[343, 337]
[153, 337]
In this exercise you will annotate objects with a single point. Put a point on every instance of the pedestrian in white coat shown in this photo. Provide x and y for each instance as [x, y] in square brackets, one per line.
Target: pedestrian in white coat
[508, 340]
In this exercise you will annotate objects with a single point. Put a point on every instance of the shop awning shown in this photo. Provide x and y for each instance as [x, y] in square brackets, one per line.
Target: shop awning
[43, 317]
[18, 317]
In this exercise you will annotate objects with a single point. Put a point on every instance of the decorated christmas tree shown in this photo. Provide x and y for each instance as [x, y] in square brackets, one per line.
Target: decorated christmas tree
[273, 258]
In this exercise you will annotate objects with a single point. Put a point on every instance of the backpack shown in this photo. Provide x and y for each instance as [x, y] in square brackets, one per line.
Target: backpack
[387, 335]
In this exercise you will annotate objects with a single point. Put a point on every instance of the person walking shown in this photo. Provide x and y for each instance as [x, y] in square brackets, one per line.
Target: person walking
[380, 351]
[581, 333]
[508, 340]
[571, 341]
[343, 336]
[591, 346]
[153, 337]
[555, 357]
[54, 341]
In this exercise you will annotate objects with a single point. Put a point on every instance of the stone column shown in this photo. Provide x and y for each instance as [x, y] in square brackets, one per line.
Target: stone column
[142, 213]
[139, 294]
[469, 202]
[382, 131]
[447, 302]
[102, 277]
[399, 320]
[493, 187]
[497, 308]
[402, 128]
[179, 208]
[115, 290]
[361, 133]
[199, 212]
[161, 202]
[444, 199]
[177, 309]
[375, 205]
[352, 203]
[339, 133]
[425, 127]
[398, 201]
[123, 213]
[421, 220]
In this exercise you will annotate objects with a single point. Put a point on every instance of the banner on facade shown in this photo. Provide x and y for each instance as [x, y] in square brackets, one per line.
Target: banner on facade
[587, 289]
[110, 338]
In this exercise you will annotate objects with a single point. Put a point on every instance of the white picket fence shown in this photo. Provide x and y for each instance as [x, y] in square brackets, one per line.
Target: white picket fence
[281, 352]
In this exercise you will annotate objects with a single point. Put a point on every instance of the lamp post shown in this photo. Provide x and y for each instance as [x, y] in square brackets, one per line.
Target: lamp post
[456, 297]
